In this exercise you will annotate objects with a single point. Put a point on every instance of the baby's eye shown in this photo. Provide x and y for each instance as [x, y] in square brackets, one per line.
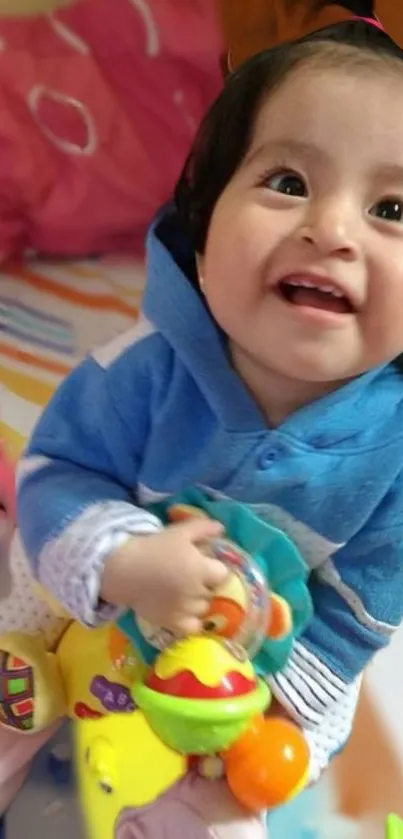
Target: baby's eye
[288, 183]
[389, 209]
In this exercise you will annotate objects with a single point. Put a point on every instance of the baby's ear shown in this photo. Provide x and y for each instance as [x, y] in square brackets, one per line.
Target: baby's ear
[199, 258]
[26, 8]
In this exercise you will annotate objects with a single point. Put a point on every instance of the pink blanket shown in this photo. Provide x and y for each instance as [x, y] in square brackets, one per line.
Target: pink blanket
[99, 104]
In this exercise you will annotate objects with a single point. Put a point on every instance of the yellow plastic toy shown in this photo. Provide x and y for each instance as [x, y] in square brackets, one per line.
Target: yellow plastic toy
[150, 737]
[89, 675]
[133, 787]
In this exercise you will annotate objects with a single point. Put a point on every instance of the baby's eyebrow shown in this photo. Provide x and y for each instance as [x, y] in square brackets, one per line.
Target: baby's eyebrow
[390, 171]
[282, 145]
[386, 170]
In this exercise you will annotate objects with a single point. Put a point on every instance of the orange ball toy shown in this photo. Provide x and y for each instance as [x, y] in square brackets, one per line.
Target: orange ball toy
[268, 765]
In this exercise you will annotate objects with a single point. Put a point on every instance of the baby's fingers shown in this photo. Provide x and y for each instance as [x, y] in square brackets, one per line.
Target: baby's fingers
[214, 573]
[199, 529]
[196, 607]
[187, 625]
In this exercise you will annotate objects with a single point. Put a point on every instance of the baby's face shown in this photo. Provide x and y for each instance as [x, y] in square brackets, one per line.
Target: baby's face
[303, 266]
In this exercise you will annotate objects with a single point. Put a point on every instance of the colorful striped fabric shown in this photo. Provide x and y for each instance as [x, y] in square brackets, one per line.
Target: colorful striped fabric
[51, 314]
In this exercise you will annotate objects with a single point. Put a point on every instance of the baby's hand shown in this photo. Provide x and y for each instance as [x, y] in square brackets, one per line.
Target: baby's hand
[165, 578]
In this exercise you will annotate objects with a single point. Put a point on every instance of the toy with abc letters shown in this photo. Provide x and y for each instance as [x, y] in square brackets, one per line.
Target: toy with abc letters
[149, 722]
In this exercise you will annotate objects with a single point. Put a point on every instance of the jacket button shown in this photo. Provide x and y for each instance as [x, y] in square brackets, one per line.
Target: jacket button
[266, 459]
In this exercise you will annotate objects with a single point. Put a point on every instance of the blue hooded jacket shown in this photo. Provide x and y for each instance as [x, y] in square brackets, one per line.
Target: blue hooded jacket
[161, 409]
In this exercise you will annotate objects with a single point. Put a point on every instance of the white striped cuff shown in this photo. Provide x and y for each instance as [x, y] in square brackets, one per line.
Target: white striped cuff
[71, 565]
[306, 687]
[320, 703]
[328, 738]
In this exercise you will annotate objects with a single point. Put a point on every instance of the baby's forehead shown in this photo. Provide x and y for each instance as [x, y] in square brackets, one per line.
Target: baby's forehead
[311, 114]
[316, 82]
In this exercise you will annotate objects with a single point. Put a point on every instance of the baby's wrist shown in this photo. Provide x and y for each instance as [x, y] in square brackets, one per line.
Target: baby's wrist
[119, 584]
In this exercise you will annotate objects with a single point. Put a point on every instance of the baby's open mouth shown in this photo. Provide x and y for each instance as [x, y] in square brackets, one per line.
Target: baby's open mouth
[304, 292]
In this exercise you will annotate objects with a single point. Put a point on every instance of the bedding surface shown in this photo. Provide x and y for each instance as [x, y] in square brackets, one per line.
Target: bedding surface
[51, 314]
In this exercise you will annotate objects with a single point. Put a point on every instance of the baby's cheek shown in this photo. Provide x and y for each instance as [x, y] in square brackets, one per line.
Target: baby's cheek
[384, 328]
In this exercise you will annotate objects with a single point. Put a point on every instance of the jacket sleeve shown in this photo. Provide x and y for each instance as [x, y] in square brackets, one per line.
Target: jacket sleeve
[77, 481]
[358, 605]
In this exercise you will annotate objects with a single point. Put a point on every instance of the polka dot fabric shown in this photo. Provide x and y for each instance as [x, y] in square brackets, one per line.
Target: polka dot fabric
[22, 609]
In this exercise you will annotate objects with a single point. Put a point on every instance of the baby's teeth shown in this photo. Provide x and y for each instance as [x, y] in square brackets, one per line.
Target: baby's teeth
[302, 284]
[326, 289]
[330, 290]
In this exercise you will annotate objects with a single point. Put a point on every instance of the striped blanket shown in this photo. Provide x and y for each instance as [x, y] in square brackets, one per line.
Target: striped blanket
[50, 316]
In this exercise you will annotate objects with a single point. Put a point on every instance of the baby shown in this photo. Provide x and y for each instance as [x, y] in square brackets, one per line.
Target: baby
[266, 369]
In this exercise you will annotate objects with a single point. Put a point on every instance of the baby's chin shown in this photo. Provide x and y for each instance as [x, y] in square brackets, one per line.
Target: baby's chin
[318, 364]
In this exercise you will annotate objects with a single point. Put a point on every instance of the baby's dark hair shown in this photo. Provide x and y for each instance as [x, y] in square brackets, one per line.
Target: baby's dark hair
[226, 132]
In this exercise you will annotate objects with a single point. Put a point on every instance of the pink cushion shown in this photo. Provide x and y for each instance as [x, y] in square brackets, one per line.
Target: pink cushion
[99, 105]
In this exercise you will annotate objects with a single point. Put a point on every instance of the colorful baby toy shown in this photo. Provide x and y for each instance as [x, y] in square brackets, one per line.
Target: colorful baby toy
[158, 718]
